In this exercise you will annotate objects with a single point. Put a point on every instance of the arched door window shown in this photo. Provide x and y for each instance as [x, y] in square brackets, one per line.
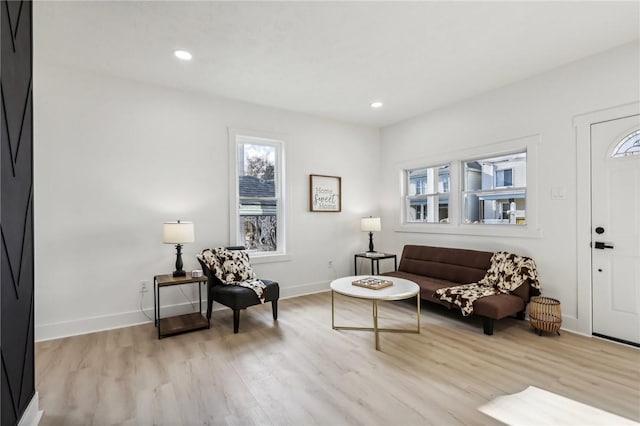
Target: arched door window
[629, 145]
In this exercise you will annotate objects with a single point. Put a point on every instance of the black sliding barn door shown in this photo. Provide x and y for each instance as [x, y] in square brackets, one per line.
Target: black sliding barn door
[16, 211]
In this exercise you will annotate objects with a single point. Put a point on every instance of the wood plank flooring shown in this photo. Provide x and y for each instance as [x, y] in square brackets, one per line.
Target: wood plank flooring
[298, 371]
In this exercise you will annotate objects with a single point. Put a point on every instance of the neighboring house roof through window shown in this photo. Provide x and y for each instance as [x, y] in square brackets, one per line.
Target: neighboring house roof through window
[254, 187]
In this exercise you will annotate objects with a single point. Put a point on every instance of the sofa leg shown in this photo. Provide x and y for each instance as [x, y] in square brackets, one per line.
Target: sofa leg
[521, 315]
[487, 325]
[274, 309]
[236, 321]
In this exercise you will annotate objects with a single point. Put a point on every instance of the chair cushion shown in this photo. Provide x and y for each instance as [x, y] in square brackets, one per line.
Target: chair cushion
[236, 297]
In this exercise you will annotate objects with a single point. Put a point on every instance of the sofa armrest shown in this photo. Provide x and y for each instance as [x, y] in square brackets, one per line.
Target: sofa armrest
[526, 292]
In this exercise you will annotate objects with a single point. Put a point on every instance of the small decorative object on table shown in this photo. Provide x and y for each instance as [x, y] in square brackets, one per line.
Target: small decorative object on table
[545, 314]
[372, 283]
[375, 254]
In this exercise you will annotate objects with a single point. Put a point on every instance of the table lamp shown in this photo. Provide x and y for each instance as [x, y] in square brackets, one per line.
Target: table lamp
[178, 233]
[370, 225]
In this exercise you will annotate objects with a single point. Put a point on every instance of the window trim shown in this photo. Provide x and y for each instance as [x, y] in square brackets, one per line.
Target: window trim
[268, 138]
[531, 229]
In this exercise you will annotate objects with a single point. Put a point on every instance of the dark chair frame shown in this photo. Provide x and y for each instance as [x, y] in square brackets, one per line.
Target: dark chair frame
[235, 297]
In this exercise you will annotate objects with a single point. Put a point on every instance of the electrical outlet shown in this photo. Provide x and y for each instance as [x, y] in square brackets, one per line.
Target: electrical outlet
[143, 286]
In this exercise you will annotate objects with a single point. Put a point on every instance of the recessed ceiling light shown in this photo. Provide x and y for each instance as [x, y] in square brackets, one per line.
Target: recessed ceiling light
[376, 104]
[182, 54]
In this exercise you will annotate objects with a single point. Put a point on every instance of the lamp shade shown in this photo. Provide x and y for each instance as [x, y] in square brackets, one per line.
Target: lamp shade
[178, 232]
[370, 224]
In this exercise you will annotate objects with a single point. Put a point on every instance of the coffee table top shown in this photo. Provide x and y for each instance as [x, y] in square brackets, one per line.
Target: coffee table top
[401, 288]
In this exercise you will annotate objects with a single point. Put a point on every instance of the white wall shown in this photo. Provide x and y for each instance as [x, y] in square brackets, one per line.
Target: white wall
[114, 159]
[544, 105]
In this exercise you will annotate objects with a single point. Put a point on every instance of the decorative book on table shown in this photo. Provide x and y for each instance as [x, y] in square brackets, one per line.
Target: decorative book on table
[372, 283]
[374, 254]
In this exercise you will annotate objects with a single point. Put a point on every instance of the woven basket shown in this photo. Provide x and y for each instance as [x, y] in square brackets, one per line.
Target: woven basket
[545, 314]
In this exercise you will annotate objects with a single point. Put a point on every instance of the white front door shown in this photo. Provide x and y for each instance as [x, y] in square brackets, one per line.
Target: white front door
[615, 231]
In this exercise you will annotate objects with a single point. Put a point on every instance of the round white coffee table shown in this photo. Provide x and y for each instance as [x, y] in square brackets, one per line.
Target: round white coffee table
[400, 290]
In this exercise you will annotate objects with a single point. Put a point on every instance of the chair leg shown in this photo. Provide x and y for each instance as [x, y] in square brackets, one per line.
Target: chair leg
[209, 302]
[236, 321]
[274, 309]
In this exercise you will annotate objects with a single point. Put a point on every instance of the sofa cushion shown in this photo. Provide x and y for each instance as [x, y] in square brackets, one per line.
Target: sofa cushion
[459, 266]
[427, 285]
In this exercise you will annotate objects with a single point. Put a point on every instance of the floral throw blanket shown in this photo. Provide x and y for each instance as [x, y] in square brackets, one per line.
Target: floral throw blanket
[232, 267]
[507, 272]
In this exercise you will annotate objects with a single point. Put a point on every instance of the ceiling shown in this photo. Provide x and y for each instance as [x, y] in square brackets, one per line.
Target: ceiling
[331, 59]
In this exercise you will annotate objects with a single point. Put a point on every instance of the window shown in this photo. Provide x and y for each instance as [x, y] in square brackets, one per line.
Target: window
[493, 184]
[427, 194]
[258, 214]
[495, 190]
[629, 145]
[504, 177]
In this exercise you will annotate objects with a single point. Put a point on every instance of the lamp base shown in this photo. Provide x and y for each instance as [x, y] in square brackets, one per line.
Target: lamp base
[179, 272]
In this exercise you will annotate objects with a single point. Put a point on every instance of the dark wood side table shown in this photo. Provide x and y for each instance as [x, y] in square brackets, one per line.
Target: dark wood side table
[374, 260]
[179, 323]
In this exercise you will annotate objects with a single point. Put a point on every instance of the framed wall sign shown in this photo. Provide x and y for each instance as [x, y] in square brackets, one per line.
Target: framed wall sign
[325, 193]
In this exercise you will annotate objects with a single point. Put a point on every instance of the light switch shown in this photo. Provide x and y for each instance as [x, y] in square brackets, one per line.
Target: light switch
[558, 193]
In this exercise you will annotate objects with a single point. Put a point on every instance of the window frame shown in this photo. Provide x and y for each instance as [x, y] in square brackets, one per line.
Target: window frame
[236, 138]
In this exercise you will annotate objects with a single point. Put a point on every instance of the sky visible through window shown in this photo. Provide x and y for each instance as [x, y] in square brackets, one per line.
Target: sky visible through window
[263, 152]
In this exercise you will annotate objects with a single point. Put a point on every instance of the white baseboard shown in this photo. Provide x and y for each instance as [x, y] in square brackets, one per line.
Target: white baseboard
[126, 319]
[571, 324]
[304, 289]
[33, 414]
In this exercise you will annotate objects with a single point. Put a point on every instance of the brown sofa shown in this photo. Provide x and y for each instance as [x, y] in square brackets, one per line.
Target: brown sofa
[438, 267]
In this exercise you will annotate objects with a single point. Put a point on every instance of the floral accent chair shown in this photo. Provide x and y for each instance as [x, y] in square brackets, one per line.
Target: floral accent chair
[233, 283]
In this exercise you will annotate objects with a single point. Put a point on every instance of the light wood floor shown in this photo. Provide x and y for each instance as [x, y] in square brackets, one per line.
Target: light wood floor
[298, 371]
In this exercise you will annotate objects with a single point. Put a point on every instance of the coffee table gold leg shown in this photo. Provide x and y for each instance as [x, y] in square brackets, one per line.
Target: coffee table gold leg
[333, 324]
[375, 324]
[418, 304]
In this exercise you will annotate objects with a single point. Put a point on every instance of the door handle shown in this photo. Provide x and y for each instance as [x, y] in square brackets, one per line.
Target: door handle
[601, 245]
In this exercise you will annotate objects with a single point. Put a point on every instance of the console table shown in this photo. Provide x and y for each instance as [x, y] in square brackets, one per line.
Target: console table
[375, 260]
